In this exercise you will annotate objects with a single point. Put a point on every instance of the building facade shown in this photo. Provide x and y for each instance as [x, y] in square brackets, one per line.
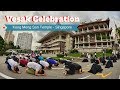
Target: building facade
[24, 40]
[9, 36]
[56, 42]
[93, 36]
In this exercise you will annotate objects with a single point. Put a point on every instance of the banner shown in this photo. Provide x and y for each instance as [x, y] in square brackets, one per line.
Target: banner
[41, 27]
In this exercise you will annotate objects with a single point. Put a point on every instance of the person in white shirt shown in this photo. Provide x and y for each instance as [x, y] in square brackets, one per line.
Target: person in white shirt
[13, 65]
[35, 68]
[89, 57]
[45, 64]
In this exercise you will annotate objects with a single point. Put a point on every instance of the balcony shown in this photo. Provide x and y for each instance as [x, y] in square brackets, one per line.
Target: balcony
[55, 41]
[92, 30]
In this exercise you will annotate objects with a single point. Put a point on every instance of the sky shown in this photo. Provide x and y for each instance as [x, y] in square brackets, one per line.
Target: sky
[83, 15]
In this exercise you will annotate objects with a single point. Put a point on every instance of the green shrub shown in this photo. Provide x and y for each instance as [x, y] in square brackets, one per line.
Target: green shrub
[119, 41]
[98, 37]
[60, 55]
[108, 50]
[74, 51]
[103, 36]
[1, 53]
[108, 37]
[7, 53]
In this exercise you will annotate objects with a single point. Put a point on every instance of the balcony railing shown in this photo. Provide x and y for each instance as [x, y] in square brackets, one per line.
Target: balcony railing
[94, 30]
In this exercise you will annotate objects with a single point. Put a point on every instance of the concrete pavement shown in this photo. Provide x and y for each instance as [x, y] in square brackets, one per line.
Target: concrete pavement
[57, 73]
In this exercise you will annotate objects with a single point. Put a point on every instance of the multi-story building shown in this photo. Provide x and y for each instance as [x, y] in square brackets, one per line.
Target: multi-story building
[56, 42]
[24, 40]
[93, 36]
[9, 36]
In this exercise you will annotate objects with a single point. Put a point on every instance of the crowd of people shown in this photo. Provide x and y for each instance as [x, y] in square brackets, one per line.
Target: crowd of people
[36, 64]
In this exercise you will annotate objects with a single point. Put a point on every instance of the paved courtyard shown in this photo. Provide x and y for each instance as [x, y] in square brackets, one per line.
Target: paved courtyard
[57, 73]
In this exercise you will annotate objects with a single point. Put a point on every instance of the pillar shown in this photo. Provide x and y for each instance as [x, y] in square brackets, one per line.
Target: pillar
[107, 44]
[96, 45]
[83, 38]
[110, 36]
[89, 45]
[106, 37]
[78, 41]
[102, 45]
[93, 28]
[87, 29]
[60, 36]
[101, 36]
[75, 42]
[82, 30]
[98, 27]
[95, 38]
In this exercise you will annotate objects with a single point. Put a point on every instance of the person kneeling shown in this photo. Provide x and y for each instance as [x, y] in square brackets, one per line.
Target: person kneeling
[44, 64]
[35, 69]
[96, 68]
[12, 65]
[109, 64]
[72, 68]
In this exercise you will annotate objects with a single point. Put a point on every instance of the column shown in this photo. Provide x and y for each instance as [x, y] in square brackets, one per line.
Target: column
[101, 36]
[83, 45]
[106, 37]
[88, 38]
[107, 26]
[60, 36]
[87, 29]
[82, 30]
[95, 38]
[110, 36]
[75, 42]
[89, 45]
[83, 41]
[104, 26]
[93, 28]
[107, 44]
[83, 38]
[102, 45]
[98, 27]
[96, 45]
[78, 42]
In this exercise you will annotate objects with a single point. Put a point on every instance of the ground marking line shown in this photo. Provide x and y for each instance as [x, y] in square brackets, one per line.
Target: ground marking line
[119, 76]
[57, 68]
[85, 77]
[104, 75]
[5, 76]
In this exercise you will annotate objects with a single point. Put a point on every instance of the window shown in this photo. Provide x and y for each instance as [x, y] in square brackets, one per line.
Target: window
[101, 26]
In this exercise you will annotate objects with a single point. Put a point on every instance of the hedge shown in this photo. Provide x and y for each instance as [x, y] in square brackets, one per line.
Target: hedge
[60, 55]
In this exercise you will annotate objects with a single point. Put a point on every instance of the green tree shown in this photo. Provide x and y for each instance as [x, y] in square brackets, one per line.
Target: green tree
[2, 50]
[18, 47]
[118, 30]
[11, 44]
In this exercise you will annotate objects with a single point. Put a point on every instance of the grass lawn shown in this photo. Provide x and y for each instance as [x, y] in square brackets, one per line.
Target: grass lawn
[75, 54]
[69, 57]
[100, 54]
[57, 58]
